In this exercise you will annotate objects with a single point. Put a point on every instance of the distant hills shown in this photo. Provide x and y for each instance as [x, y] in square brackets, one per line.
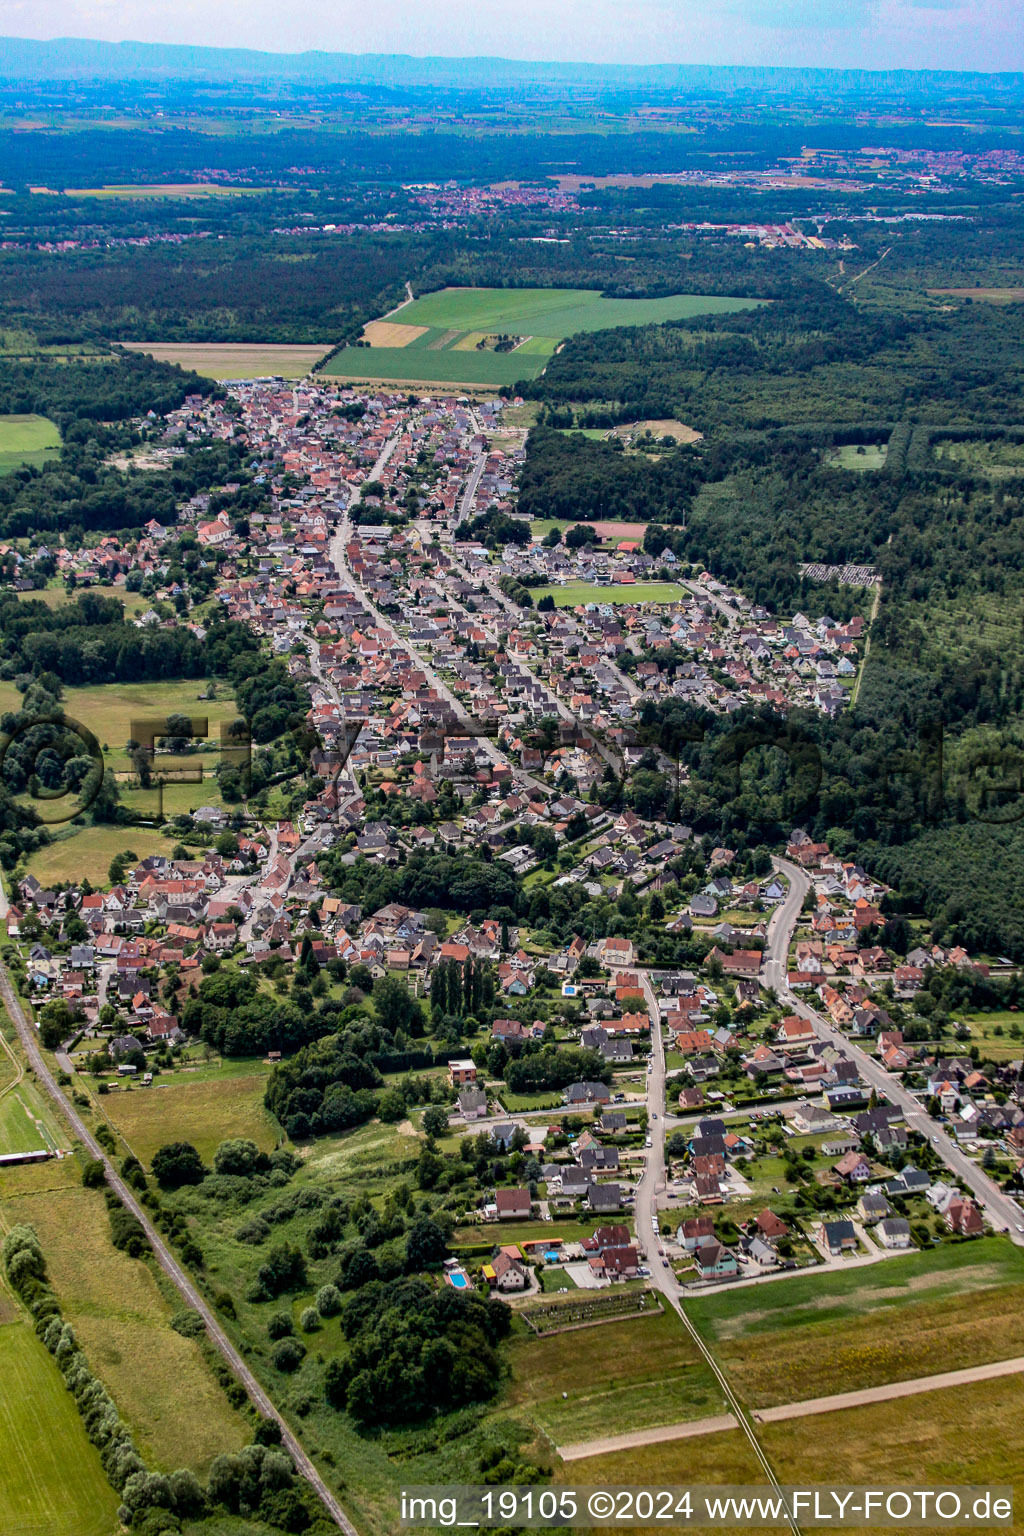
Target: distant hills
[86, 60]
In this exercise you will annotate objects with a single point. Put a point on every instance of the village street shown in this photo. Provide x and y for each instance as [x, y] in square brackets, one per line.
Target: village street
[1003, 1212]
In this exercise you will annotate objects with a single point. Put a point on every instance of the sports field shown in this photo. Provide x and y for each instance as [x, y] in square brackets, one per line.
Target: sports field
[449, 336]
[576, 592]
[235, 360]
[51, 1480]
[27, 440]
[607, 533]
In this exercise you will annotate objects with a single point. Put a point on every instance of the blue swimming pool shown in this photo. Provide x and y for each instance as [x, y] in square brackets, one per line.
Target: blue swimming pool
[459, 1281]
[551, 1258]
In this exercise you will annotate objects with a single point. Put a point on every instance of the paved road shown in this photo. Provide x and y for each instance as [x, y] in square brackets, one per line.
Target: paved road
[466, 504]
[730, 614]
[645, 1208]
[890, 1390]
[165, 1258]
[1002, 1212]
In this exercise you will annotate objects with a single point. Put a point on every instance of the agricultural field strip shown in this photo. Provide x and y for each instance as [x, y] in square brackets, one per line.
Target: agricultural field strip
[51, 1479]
[891, 1390]
[169, 1264]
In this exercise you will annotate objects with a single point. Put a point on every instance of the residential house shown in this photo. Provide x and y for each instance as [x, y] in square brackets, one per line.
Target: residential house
[513, 1204]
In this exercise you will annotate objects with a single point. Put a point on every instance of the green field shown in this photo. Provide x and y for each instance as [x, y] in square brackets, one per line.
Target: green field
[20, 1128]
[204, 1112]
[110, 711]
[160, 1381]
[645, 1371]
[554, 312]
[51, 1480]
[27, 440]
[859, 456]
[90, 850]
[454, 318]
[576, 592]
[417, 365]
[799, 1337]
[57, 596]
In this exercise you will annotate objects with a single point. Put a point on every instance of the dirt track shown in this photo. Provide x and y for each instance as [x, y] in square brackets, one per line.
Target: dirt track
[612, 1443]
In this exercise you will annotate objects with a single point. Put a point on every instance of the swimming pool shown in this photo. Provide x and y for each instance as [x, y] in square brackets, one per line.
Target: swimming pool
[460, 1282]
[552, 1258]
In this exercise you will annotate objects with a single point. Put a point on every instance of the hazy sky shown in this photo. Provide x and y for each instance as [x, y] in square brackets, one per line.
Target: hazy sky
[873, 34]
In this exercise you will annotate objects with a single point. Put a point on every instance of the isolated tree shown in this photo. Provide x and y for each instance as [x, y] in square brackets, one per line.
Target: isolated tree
[176, 1164]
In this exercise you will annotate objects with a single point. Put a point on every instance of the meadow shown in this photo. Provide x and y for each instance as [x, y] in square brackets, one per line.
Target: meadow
[178, 1413]
[111, 711]
[235, 360]
[576, 592]
[858, 456]
[968, 1435]
[205, 1112]
[643, 1372]
[87, 852]
[436, 338]
[51, 1480]
[30, 440]
[1000, 459]
[57, 596]
[799, 1338]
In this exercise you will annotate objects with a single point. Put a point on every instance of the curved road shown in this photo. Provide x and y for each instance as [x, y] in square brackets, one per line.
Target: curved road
[1002, 1211]
[165, 1258]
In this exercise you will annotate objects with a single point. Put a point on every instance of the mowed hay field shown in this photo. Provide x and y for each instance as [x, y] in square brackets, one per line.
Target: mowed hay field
[160, 1381]
[812, 1336]
[970, 1435]
[205, 1112]
[435, 339]
[51, 1480]
[235, 360]
[641, 1372]
[30, 440]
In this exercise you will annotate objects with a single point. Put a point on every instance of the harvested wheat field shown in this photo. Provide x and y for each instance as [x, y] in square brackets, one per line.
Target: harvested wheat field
[391, 333]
